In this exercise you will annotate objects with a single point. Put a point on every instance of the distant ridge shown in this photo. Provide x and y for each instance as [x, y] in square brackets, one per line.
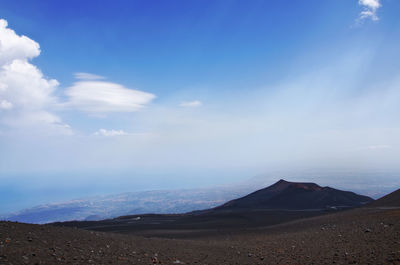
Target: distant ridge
[281, 202]
[390, 200]
[296, 196]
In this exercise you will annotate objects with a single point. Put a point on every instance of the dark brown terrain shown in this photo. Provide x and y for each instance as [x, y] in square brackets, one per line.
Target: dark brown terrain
[366, 235]
[390, 200]
[360, 236]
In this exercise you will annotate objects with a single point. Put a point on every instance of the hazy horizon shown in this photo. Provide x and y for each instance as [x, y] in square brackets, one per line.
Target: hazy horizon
[110, 97]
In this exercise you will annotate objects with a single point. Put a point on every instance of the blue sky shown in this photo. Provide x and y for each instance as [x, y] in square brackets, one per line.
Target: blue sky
[110, 96]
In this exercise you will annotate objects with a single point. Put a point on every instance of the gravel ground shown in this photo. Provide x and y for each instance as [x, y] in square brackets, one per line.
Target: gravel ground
[361, 236]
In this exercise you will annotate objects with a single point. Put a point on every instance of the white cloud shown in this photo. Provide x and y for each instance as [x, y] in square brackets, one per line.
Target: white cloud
[26, 96]
[191, 104]
[104, 132]
[381, 146]
[88, 76]
[4, 104]
[102, 97]
[370, 8]
[45, 121]
[13, 46]
[374, 4]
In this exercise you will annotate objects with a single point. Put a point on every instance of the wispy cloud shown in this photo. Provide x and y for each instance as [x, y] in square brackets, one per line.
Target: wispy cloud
[370, 8]
[88, 76]
[103, 97]
[380, 146]
[191, 104]
[104, 132]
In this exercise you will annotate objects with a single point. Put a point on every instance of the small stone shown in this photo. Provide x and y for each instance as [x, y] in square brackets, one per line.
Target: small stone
[154, 260]
[249, 255]
[368, 230]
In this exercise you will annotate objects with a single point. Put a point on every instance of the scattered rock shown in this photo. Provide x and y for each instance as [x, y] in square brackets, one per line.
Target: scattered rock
[154, 260]
[282, 248]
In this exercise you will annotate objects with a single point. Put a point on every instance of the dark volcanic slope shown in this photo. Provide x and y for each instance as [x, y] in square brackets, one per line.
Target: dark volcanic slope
[191, 225]
[361, 236]
[282, 202]
[390, 200]
[296, 196]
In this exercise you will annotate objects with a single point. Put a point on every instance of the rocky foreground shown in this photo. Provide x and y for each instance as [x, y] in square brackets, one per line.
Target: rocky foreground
[361, 236]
